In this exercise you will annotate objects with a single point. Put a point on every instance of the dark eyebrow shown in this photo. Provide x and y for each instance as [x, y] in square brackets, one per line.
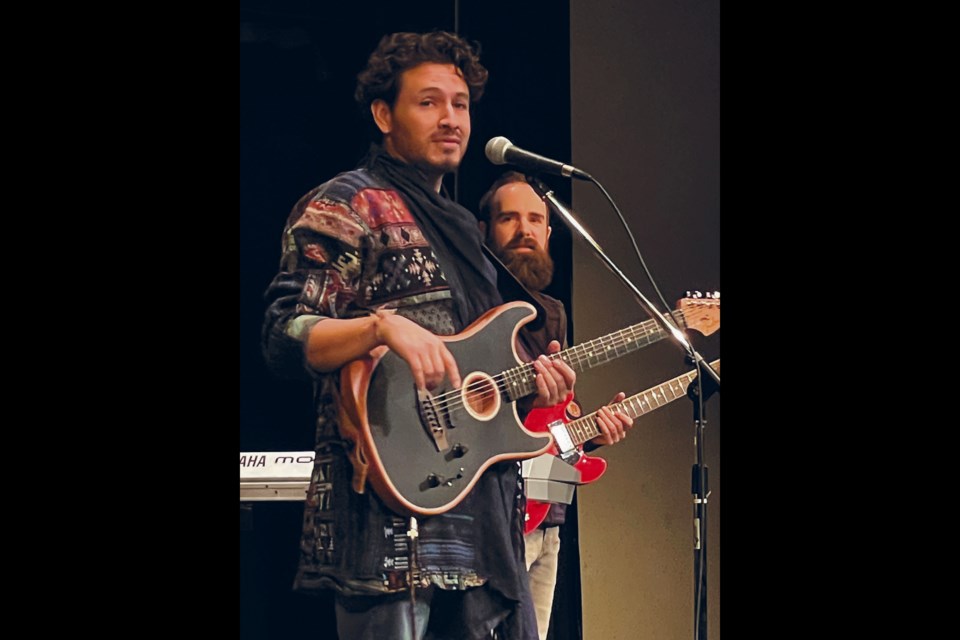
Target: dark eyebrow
[459, 94]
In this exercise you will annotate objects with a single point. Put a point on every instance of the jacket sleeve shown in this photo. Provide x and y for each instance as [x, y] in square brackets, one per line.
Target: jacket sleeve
[319, 278]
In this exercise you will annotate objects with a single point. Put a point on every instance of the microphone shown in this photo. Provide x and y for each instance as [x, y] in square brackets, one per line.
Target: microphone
[499, 150]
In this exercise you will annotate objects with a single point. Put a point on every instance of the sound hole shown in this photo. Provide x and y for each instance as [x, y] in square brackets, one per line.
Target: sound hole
[480, 396]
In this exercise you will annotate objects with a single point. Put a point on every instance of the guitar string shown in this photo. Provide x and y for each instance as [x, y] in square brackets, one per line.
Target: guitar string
[525, 374]
[582, 354]
[586, 427]
[630, 336]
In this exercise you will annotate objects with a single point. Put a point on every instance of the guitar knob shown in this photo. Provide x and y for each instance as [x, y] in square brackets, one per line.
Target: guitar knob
[434, 480]
[460, 450]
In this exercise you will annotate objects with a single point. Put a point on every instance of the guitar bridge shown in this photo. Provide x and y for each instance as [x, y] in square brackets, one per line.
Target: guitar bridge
[433, 419]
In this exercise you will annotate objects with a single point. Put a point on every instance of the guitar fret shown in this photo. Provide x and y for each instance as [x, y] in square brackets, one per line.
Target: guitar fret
[658, 397]
[522, 380]
[586, 428]
[578, 429]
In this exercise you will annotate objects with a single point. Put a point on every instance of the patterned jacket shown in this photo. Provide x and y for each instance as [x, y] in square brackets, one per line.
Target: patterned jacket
[350, 247]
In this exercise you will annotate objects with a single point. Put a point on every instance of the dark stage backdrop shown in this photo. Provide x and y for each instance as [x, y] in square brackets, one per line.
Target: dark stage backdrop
[299, 126]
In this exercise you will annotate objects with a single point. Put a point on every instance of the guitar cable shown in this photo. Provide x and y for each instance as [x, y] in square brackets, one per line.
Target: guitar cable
[413, 534]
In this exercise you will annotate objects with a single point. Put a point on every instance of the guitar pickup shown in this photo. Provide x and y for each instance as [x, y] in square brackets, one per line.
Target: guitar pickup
[433, 419]
[561, 437]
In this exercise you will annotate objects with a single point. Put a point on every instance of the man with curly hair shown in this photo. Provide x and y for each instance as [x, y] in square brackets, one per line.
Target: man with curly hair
[381, 257]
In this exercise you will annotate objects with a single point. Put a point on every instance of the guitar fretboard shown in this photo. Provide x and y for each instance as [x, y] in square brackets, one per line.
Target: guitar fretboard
[585, 428]
[521, 381]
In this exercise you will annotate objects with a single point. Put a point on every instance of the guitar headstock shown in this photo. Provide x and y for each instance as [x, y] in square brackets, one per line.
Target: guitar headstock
[701, 311]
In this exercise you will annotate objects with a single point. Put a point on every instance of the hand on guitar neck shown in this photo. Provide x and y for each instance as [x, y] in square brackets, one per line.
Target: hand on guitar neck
[555, 378]
[613, 425]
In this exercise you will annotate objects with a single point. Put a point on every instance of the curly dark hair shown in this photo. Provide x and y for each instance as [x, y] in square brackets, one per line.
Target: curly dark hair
[398, 52]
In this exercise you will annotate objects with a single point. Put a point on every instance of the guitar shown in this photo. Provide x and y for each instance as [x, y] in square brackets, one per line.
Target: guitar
[585, 428]
[423, 451]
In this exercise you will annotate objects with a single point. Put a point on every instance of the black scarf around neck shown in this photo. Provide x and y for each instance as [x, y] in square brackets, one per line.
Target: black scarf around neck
[452, 232]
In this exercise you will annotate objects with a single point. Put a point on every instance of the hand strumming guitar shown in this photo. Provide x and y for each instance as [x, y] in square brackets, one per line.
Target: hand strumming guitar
[334, 342]
[427, 355]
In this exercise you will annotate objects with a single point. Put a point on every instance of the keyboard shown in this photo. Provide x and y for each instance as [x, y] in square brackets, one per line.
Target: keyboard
[275, 475]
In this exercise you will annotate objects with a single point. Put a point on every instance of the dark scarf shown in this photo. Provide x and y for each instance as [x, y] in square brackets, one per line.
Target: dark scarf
[450, 229]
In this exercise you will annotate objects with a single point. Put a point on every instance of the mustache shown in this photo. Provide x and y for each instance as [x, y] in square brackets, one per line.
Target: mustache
[530, 243]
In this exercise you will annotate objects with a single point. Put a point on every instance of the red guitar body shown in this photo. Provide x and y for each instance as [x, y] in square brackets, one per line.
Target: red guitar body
[590, 468]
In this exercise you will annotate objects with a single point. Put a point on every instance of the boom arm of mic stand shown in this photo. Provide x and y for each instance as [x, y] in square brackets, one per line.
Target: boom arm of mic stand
[671, 329]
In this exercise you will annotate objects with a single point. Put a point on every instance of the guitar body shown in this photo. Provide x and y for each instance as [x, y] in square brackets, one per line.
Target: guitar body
[590, 468]
[411, 469]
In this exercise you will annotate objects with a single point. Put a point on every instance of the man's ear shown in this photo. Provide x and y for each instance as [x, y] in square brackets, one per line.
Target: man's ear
[483, 228]
[549, 231]
[382, 115]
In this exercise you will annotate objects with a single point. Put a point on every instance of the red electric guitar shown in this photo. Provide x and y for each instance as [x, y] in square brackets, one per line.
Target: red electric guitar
[585, 428]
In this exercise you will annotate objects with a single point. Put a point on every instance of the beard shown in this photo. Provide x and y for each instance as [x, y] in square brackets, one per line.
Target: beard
[533, 270]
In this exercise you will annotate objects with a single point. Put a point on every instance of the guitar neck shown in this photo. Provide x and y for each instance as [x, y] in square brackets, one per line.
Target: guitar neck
[585, 428]
[522, 380]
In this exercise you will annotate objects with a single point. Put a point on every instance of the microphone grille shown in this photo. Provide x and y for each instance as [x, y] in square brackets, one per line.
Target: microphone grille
[496, 149]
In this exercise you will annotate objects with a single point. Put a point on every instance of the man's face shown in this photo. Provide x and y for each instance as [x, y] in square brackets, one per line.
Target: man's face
[429, 126]
[519, 233]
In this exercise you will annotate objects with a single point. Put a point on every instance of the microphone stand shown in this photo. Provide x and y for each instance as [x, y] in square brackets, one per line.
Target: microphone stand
[700, 490]
[547, 194]
[700, 389]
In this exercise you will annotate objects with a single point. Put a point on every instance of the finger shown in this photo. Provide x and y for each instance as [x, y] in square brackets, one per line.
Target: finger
[417, 372]
[546, 384]
[620, 397]
[567, 374]
[451, 366]
[556, 380]
[611, 424]
[437, 364]
[553, 347]
[426, 362]
[606, 429]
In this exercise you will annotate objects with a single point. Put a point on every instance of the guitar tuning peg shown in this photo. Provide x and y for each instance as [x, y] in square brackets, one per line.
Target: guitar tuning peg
[716, 295]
